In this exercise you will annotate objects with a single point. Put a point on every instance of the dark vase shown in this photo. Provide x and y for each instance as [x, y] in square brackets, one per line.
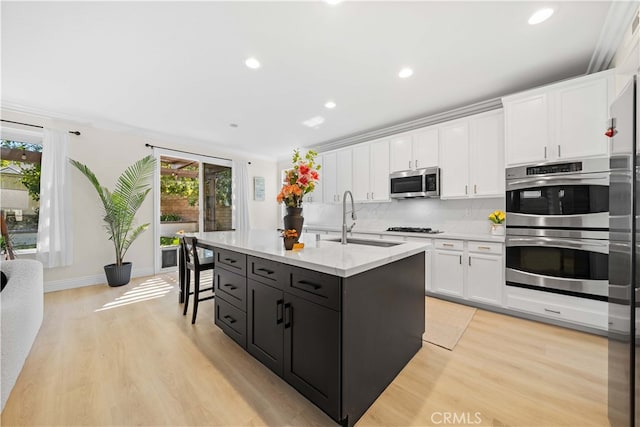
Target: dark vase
[118, 275]
[289, 242]
[293, 220]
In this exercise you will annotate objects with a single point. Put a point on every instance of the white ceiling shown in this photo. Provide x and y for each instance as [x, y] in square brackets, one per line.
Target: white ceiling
[177, 68]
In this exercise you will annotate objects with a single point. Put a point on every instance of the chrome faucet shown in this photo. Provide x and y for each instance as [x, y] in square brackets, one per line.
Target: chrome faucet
[346, 229]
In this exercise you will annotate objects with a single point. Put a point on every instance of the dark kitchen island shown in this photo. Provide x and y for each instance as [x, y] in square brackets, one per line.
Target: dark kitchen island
[336, 322]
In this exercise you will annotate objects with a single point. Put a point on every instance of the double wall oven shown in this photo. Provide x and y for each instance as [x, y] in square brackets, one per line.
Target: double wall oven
[558, 227]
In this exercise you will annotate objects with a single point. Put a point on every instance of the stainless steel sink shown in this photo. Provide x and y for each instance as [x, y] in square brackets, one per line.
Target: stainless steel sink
[380, 243]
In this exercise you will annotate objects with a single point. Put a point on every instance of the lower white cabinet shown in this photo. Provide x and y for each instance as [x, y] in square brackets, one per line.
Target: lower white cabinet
[448, 267]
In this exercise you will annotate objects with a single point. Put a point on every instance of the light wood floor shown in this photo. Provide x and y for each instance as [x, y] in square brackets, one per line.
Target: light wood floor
[127, 356]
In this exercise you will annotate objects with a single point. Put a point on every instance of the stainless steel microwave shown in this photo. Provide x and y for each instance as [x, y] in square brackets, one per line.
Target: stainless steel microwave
[415, 183]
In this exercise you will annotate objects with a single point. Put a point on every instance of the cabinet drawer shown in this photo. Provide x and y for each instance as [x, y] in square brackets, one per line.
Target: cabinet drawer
[231, 287]
[449, 244]
[232, 321]
[485, 247]
[268, 272]
[321, 288]
[233, 261]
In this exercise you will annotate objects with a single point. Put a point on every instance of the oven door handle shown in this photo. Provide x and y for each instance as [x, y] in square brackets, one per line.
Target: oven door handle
[596, 246]
[546, 181]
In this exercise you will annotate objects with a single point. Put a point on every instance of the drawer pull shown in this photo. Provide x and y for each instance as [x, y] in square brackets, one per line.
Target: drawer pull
[230, 319]
[265, 270]
[230, 260]
[449, 245]
[230, 286]
[279, 311]
[552, 311]
[288, 314]
[486, 248]
[311, 285]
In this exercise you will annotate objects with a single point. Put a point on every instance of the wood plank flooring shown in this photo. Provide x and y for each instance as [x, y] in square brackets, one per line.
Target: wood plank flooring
[126, 356]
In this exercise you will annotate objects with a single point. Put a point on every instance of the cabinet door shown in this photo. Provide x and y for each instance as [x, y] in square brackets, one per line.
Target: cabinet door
[526, 129]
[329, 177]
[400, 153]
[454, 160]
[379, 173]
[312, 352]
[316, 195]
[485, 281]
[447, 272]
[425, 148]
[344, 172]
[265, 318]
[579, 112]
[486, 154]
[361, 170]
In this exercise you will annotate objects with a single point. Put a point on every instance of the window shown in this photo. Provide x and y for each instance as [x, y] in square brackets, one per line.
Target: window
[20, 191]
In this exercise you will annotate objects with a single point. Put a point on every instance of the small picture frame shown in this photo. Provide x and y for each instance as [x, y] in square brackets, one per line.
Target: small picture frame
[258, 188]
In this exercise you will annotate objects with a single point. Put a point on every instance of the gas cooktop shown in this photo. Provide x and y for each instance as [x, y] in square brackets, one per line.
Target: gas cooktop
[414, 230]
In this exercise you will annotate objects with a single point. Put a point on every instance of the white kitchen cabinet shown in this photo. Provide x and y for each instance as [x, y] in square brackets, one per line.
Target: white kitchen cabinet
[337, 175]
[316, 195]
[485, 272]
[448, 268]
[472, 157]
[454, 160]
[371, 171]
[414, 150]
[565, 120]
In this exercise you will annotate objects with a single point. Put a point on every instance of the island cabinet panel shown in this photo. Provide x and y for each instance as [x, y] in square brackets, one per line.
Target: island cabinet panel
[230, 283]
[265, 328]
[231, 287]
[232, 321]
[266, 271]
[232, 261]
[321, 288]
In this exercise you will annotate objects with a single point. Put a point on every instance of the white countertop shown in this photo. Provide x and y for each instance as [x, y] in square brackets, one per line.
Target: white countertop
[319, 255]
[485, 237]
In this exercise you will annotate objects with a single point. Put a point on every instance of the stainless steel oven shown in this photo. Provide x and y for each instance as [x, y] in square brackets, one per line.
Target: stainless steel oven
[558, 227]
[573, 262]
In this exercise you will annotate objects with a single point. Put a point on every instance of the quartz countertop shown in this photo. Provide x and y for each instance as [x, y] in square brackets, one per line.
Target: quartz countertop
[485, 237]
[319, 255]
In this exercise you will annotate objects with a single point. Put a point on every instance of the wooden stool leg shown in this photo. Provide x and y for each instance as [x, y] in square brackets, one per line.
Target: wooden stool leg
[196, 295]
[187, 285]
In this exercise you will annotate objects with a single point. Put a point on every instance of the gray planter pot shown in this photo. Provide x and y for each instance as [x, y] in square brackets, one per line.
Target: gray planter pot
[118, 275]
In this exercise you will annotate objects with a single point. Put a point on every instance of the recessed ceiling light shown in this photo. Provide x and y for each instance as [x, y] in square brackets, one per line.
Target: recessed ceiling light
[314, 121]
[252, 63]
[540, 16]
[405, 72]
[330, 105]
[333, 2]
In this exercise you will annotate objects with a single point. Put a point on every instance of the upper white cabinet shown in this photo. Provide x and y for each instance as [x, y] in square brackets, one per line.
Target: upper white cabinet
[337, 175]
[414, 150]
[371, 171]
[472, 156]
[565, 120]
[344, 176]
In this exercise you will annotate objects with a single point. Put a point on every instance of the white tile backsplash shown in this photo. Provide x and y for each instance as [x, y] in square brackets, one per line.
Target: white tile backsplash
[456, 216]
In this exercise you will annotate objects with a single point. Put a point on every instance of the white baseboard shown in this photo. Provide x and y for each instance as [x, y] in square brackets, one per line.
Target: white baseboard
[98, 279]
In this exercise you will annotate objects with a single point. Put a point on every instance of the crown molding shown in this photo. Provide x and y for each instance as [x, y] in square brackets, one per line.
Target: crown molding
[615, 26]
[369, 135]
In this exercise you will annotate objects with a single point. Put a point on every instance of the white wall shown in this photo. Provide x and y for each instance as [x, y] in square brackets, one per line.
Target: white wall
[108, 153]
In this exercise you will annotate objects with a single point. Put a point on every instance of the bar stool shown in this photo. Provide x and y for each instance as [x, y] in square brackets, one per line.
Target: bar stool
[192, 262]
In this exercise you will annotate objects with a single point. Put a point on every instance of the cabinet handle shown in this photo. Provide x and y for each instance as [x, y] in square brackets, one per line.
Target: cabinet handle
[486, 248]
[416, 163]
[469, 261]
[367, 195]
[230, 319]
[552, 311]
[559, 155]
[230, 286]
[265, 270]
[465, 189]
[475, 189]
[460, 259]
[279, 311]
[449, 245]
[372, 195]
[288, 315]
[545, 151]
[409, 164]
[230, 260]
[310, 285]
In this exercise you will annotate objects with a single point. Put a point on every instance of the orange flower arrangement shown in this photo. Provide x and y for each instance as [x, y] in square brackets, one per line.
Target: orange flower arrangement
[300, 180]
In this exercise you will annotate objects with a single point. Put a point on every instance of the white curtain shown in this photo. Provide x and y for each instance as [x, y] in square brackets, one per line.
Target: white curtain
[55, 234]
[241, 195]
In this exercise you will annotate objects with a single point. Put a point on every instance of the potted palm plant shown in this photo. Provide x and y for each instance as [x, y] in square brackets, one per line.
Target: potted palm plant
[120, 207]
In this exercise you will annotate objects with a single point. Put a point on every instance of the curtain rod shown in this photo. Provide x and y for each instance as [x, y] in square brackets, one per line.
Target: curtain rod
[188, 152]
[75, 132]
